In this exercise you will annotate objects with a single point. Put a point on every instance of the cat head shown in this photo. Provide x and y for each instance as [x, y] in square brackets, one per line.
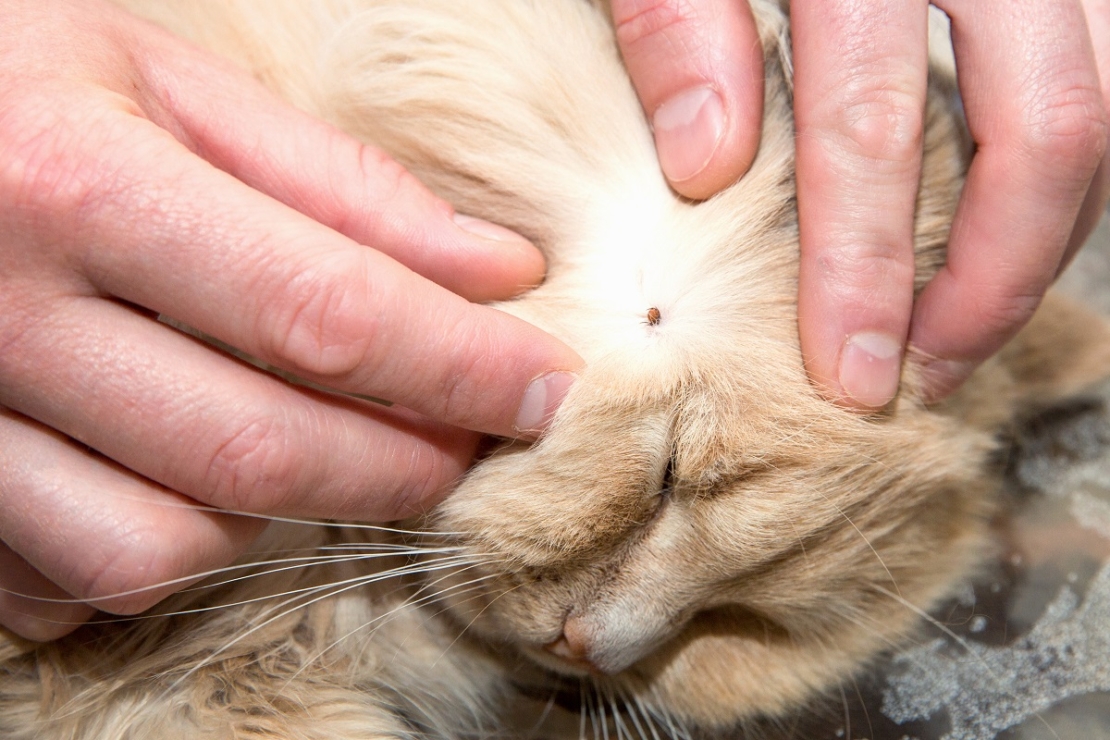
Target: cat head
[698, 528]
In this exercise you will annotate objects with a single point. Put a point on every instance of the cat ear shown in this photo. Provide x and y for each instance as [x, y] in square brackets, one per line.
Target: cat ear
[1062, 352]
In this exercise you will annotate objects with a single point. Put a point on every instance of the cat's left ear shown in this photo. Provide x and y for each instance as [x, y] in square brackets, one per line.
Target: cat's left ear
[1062, 352]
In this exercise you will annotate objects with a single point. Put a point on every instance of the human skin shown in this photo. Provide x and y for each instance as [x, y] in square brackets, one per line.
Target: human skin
[1034, 76]
[141, 177]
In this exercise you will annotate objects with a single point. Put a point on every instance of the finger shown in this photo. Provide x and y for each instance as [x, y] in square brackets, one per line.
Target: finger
[164, 230]
[1090, 212]
[357, 190]
[698, 69]
[1097, 13]
[34, 607]
[1035, 110]
[101, 533]
[860, 77]
[200, 423]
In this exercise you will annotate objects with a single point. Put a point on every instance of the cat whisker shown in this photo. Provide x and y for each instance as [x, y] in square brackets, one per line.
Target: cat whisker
[636, 705]
[847, 711]
[617, 709]
[193, 506]
[476, 617]
[602, 719]
[629, 709]
[330, 590]
[287, 564]
[547, 709]
[173, 686]
[586, 699]
[292, 563]
[472, 584]
[582, 710]
[878, 557]
[928, 618]
[407, 569]
[673, 729]
[380, 620]
[307, 561]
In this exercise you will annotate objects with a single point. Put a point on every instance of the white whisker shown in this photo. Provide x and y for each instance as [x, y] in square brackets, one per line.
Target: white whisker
[547, 709]
[410, 602]
[407, 569]
[618, 715]
[866, 541]
[635, 711]
[581, 710]
[331, 589]
[603, 716]
[672, 729]
[381, 619]
[301, 562]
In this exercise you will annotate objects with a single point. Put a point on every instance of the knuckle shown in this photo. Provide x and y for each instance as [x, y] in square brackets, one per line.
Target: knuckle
[880, 126]
[1067, 127]
[252, 467]
[864, 266]
[378, 201]
[425, 475]
[318, 323]
[1002, 314]
[32, 172]
[389, 181]
[58, 163]
[639, 21]
[461, 404]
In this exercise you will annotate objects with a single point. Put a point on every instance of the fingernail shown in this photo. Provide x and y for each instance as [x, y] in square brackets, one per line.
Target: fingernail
[541, 400]
[870, 367]
[487, 230]
[688, 128]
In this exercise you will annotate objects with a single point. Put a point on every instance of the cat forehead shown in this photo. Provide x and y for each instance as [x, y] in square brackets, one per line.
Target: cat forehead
[673, 288]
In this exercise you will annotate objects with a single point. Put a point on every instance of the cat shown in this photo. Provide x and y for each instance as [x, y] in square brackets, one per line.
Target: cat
[699, 540]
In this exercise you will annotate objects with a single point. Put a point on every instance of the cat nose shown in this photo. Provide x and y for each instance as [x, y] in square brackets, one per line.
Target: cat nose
[572, 646]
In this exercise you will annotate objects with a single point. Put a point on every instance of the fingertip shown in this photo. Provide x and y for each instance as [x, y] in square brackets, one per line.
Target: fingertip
[32, 606]
[698, 71]
[939, 378]
[869, 370]
[541, 400]
[506, 265]
[702, 148]
[44, 629]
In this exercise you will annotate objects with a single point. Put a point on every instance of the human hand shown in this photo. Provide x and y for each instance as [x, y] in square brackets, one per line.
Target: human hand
[138, 177]
[1029, 75]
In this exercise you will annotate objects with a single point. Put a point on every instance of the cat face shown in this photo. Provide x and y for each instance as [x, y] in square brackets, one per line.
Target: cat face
[698, 529]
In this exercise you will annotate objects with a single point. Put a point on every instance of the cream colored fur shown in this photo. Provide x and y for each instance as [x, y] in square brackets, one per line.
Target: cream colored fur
[715, 539]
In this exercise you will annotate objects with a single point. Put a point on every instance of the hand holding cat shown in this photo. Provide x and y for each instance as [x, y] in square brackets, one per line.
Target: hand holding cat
[140, 177]
[1029, 75]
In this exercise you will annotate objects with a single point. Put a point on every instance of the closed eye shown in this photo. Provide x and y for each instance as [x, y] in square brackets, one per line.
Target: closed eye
[666, 489]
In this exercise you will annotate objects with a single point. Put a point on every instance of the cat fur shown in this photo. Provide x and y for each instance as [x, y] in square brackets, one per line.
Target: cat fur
[700, 540]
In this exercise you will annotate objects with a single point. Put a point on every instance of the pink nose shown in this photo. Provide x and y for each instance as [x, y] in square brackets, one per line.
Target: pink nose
[571, 646]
